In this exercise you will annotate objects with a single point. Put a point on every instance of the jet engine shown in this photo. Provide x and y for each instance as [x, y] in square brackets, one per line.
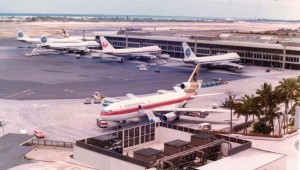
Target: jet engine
[120, 59]
[169, 117]
[96, 54]
[185, 85]
[152, 57]
[189, 85]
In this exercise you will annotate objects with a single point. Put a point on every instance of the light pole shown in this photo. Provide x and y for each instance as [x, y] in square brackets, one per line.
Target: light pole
[126, 40]
[83, 34]
[2, 124]
[195, 50]
[284, 54]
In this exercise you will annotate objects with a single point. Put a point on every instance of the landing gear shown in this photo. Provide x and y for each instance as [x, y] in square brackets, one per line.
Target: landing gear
[120, 123]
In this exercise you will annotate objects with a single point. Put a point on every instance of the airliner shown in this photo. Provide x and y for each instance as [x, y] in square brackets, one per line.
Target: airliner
[119, 54]
[170, 104]
[21, 36]
[79, 46]
[223, 60]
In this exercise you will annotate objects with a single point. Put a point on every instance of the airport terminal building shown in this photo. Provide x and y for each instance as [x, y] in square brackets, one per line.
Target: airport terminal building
[163, 146]
[253, 51]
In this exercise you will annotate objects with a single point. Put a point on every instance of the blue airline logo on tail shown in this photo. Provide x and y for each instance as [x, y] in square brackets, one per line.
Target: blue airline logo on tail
[20, 34]
[44, 39]
[188, 52]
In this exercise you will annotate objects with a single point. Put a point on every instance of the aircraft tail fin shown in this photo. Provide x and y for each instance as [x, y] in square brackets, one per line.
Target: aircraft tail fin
[44, 40]
[65, 33]
[194, 76]
[192, 85]
[188, 53]
[21, 34]
[105, 44]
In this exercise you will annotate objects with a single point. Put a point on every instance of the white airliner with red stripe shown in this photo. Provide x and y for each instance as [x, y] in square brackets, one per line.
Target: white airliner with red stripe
[110, 52]
[169, 104]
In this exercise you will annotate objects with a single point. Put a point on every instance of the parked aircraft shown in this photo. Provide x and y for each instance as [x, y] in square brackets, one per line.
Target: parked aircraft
[110, 53]
[21, 36]
[220, 61]
[169, 104]
[80, 46]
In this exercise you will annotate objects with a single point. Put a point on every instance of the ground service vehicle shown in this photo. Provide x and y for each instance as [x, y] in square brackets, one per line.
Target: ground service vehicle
[102, 123]
[38, 133]
[204, 126]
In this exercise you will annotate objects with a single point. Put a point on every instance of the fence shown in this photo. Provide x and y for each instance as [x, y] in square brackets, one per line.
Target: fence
[50, 143]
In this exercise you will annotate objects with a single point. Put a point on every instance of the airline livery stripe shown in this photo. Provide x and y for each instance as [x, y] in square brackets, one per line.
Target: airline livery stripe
[151, 106]
[156, 51]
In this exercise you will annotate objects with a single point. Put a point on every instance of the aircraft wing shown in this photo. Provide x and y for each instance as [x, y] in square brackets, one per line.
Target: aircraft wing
[204, 95]
[230, 64]
[192, 110]
[145, 55]
[220, 60]
[131, 96]
[66, 47]
[152, 118]
[221, 63]
[163, 91]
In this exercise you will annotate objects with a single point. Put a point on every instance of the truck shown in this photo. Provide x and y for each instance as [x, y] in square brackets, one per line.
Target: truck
[98, 97]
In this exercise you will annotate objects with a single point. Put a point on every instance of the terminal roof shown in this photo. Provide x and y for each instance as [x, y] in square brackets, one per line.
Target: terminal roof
[247, 160]
[105, 137]
[148, 152]
[177, 143]
[203, 135]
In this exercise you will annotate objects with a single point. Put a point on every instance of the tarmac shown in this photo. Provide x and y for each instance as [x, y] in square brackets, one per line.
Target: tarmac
[11, 151]
[65, 77]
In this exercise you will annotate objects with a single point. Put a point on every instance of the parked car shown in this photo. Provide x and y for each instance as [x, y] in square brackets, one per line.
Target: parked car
[38, 133]
[87, 101]
[204, 126]
[102, 123]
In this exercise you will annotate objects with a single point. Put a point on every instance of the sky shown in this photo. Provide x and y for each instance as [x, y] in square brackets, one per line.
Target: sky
[270, 9]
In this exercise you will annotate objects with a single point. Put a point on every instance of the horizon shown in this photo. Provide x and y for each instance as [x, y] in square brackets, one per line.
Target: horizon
[248, 9]
[139, 16]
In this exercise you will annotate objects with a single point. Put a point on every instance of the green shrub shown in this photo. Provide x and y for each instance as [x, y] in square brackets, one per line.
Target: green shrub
[291, 122]
[261, 127]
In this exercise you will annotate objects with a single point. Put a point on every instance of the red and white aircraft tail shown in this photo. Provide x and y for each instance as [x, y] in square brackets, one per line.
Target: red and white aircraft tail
[105, 44]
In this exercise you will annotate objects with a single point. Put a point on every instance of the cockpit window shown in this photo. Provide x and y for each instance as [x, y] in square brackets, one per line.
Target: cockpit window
[106, 111]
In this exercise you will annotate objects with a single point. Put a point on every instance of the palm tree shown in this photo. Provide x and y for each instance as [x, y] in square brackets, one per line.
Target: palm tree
[277, 99]
[290, 90]
[256, 110]
[230, 104]
[246, 108]
[265, 96]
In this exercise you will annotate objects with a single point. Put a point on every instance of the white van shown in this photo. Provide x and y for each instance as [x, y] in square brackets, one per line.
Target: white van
[204, 126]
